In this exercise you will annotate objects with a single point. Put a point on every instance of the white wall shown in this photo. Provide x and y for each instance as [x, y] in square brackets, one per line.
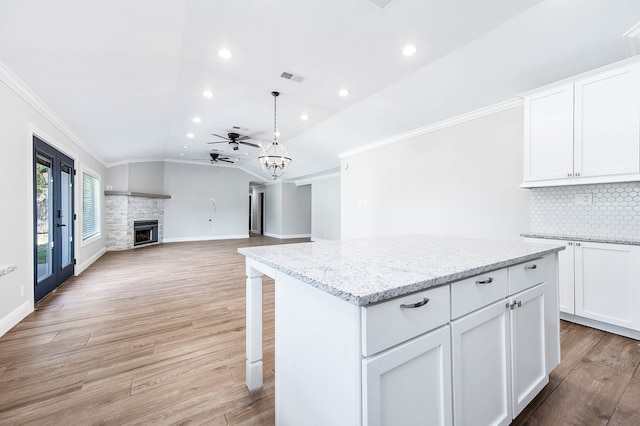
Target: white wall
[191, 215]
[147, 177]
[117, 177]
[296, 210]
[19, 119]
[273, 210]
[325, 209]
[459, 181]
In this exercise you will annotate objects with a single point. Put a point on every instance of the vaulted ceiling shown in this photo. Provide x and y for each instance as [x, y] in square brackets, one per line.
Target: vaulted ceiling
[128, 76]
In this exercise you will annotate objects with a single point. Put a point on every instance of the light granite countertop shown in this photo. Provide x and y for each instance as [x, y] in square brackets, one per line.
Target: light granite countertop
[567, 237]
[372, 270]
[5, 269]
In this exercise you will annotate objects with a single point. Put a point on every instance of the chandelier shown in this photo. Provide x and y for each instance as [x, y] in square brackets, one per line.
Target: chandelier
[274, 159]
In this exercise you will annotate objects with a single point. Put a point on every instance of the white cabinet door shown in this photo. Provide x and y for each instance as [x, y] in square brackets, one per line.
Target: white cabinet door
[548, 134]
[566, 283]
[607, 123]
[528, 370]
[409, 384]
[481, 367]
[607, 287]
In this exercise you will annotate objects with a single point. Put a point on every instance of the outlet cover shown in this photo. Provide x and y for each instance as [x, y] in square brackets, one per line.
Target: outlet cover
[583, 199]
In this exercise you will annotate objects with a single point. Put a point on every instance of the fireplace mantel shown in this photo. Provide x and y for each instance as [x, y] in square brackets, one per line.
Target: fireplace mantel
[137, 194]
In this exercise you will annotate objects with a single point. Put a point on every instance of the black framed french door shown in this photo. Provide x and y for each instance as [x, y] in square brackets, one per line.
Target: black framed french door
[53, 218]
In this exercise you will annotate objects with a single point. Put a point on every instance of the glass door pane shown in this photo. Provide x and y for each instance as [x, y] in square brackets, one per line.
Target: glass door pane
[44, 217]
[64, 214]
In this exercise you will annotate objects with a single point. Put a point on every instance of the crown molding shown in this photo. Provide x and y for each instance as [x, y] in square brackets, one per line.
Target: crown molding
[195, 163]
[482, 112]
[307, 181]
[22, 90]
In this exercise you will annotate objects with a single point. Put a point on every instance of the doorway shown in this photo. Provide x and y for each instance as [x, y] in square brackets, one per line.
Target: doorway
[262, 213]
[53, 218]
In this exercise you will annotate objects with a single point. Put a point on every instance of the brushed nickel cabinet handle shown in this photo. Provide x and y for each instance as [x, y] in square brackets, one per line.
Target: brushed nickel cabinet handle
[487, 281]
[415, 305]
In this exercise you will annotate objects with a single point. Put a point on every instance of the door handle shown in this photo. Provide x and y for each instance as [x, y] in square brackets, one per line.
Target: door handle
[61, 224]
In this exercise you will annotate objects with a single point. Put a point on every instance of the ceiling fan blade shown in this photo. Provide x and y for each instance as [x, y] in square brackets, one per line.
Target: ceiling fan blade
[221, 137]
[218, 142]
[225, 160]
[250, 144]
[243, 138]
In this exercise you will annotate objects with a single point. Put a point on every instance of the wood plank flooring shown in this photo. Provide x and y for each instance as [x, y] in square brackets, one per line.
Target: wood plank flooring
[155, 335]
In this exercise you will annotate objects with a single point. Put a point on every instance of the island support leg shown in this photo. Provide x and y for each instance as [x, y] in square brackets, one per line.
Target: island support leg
[254, 329]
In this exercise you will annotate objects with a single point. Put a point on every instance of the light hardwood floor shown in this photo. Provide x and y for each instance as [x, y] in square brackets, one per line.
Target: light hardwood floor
[156, 336]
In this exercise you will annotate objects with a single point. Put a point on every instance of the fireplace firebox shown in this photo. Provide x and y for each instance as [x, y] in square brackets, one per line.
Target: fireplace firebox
[145, 232]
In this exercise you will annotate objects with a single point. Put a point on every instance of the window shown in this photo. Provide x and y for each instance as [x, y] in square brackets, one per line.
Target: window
[90, 205]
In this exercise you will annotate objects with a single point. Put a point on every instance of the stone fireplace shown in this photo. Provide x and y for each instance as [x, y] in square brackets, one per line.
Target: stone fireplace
[133, 219]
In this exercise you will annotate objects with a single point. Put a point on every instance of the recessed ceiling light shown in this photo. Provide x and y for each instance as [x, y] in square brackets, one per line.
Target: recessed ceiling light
[185, 146]
[409, 50]
[207, 93]
[197, 120]
[304, 117]
[182, 153]
[224, 53]
[343, 92]
[190, 135]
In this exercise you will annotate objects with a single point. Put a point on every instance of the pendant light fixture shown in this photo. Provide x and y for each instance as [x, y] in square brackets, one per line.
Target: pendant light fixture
[275, 159]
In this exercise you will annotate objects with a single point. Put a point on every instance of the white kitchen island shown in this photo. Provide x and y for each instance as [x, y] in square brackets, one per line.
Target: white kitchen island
[405, 330]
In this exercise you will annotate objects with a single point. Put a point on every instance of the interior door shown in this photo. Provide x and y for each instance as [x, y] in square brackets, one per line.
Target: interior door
[53, 174]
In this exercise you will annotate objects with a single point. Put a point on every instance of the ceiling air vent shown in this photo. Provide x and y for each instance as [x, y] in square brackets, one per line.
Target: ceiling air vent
[383, 4]
[291, 76]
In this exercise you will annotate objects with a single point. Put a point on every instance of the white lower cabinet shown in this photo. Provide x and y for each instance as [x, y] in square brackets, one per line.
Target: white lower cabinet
[409, 384]
[606, 277]
[499, 359]
[528, 369]
[599, 281]
[481, 367]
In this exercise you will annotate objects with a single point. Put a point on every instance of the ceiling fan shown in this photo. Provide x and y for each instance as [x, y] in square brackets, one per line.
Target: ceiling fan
[215, 157]
[234, 139]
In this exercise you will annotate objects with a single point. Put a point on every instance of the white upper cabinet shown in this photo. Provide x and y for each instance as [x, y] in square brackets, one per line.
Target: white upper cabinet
[548, 134]
[587, 131]
[607, 123]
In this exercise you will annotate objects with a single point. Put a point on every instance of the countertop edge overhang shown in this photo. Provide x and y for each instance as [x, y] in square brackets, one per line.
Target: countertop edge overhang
[567, 237]
[404, 287]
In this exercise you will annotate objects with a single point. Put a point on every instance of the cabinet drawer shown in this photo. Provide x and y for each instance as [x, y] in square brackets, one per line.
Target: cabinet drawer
[477, 292]
[389, 323]
[526, 275]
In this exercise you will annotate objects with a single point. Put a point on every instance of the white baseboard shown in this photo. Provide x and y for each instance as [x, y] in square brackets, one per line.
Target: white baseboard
[314, 239]
[601, 325]
[20, 313]
[207, 238]
[84, 265]
[284, 237]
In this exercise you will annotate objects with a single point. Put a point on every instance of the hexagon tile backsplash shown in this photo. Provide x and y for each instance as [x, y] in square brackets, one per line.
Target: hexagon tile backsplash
[608, 210]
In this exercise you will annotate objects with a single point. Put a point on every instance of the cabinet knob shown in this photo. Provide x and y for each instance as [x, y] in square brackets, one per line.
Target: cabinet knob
[569, 243]
[578, 244]
[569, 174]
[577, 174]
[487, 281]
[534, 266]
[415, 305]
